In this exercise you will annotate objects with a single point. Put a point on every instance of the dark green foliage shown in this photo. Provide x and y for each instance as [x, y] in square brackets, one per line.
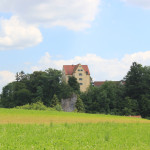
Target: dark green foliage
[129, 106]
[65, 91]
[15, 94]
[74, 84]
[145, 106]
[126, 111]
[54, 101]
[20, 76]
[79, 105]
[7, 96]
[22, 96]
[40, 85]
[137, 87]
[105, 99]
[131, 98]
[30, 88]
[133, 80]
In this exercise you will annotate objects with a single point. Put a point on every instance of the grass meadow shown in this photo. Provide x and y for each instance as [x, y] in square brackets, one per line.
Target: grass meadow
[52, 130]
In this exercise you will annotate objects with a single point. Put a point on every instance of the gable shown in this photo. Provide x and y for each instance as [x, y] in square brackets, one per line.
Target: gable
[70, 69]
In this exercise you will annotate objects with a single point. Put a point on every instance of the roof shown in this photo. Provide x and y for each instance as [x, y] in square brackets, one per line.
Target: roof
[98, 83]
[70, 69]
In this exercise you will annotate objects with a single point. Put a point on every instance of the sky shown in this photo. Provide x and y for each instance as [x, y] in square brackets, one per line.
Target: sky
[106, 35]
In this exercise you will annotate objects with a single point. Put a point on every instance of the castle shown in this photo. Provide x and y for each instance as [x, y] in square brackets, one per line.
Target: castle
[80, 72]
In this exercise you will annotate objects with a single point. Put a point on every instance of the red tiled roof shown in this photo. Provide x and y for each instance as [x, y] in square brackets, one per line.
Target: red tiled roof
[70, 69]
[99, 83]
[136, 116]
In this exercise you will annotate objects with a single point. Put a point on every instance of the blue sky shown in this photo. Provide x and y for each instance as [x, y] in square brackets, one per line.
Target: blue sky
[107, 35]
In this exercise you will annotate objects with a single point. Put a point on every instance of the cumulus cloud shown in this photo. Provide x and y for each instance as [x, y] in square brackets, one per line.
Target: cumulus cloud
[21, 30]
[140, 3]
[73, 14]
[16, 34]
[100, 68]
[5, 78]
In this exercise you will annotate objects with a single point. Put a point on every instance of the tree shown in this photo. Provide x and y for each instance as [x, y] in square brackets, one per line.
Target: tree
[40, 85]
[133, 81]
[44, 84]
[90, 100]
[65, 91]
[74, 84]
[20, 76]
[129, 106]
[17, 77]
[137, 87]
[145, 106]
[105, 99]
[54, 101]
[7, 96]
[11, 95]
[22, 97]
[79, 105]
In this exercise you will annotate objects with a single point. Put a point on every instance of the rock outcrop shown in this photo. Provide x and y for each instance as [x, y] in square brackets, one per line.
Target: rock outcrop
[68, 104]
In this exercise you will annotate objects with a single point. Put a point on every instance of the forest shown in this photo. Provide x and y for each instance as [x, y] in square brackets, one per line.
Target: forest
[130, 98]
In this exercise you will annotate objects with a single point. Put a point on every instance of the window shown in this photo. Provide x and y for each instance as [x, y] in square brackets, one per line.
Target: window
[81, 83]
[79, 70]
[80, 74]
[80, 78]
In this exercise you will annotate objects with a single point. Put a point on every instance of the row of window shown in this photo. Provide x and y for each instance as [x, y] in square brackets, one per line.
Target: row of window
[80, 69]
[80, 80]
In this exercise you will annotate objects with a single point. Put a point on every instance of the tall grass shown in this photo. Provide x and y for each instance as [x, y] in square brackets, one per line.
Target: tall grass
[88, 136]
[52, 130]
[36, 116]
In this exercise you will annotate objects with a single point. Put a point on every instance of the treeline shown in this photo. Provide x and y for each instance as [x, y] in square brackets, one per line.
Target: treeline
[129, 97]
[42, 86]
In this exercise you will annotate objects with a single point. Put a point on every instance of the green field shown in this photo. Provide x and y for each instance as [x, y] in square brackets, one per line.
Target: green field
[52, 130]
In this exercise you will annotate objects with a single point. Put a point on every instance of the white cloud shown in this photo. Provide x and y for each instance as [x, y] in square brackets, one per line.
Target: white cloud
[101, 69]
[5, 78]
[18, 35]
[73, 14]
[21, 30]
[140, 3]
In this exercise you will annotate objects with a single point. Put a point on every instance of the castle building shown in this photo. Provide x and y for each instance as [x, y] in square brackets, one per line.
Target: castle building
[80, 72]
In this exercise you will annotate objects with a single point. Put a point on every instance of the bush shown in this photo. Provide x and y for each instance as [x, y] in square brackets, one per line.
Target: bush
[54, 101]
[39, 106]
[34, 106]
[58, 107]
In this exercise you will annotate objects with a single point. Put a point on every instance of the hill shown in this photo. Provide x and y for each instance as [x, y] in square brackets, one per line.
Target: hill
[52, 130]
[21, 116]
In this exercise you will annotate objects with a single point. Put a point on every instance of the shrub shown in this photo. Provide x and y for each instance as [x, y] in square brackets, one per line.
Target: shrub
[39, 106]
[58, 107]
[34, 106]
[54, 101]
